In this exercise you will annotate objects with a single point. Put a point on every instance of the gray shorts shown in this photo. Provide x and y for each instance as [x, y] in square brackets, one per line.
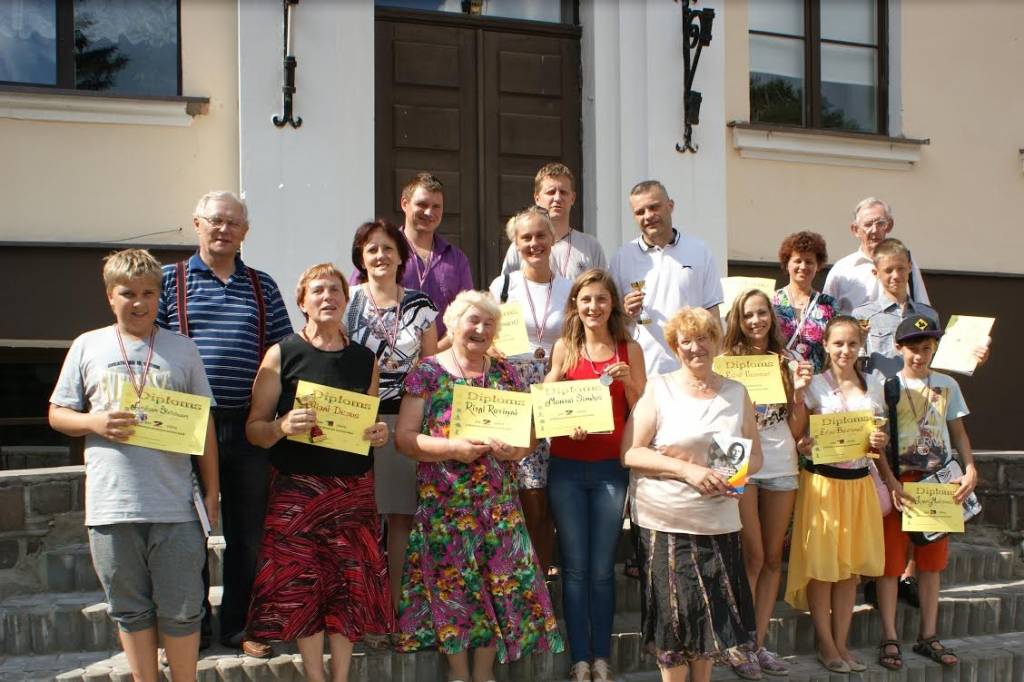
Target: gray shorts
[151, 574]
[777, 484]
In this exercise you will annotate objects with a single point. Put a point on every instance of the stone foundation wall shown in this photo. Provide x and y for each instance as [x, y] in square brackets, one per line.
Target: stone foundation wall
[1001, 490]
[40, 510]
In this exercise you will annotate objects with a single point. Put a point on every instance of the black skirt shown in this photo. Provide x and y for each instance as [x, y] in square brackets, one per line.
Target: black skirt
[696, 602]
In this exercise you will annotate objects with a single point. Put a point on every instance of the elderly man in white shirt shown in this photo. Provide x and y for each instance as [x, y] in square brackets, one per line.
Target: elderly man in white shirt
[852, 281]
[660, 272]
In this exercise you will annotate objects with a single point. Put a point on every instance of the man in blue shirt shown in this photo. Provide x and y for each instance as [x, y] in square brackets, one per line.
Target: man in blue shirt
[233, 313]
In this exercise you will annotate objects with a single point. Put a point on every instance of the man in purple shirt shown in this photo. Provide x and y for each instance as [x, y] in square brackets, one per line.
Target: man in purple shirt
[435, 267]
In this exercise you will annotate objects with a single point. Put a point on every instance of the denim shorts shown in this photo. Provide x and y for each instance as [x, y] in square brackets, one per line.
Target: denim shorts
[151, 574]
[779, 484]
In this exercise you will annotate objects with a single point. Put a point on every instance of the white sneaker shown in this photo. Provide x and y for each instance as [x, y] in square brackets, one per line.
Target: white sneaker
[601, 671]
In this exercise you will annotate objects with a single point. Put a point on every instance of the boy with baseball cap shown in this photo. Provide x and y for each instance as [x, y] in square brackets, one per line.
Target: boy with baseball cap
[928, 426]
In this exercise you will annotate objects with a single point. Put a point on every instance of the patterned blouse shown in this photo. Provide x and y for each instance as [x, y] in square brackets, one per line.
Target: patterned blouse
[810, 343]
[367, 329]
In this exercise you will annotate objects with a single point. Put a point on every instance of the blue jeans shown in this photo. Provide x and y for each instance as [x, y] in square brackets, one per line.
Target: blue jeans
[586, 500]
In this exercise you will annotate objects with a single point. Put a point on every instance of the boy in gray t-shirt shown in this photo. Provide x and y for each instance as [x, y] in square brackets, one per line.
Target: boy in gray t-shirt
[139, 505]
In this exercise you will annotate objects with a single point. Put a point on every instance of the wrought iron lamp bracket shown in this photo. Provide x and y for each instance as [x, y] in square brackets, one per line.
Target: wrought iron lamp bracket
[288, 89]
[696, 36]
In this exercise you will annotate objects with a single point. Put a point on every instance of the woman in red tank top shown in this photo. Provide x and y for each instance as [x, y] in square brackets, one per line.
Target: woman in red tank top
[586, 483]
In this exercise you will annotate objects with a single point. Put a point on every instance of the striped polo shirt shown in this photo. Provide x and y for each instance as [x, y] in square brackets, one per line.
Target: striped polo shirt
[223, 320]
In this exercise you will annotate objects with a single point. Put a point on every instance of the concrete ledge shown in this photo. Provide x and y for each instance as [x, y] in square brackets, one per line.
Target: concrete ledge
[42, 104]
[833, 148]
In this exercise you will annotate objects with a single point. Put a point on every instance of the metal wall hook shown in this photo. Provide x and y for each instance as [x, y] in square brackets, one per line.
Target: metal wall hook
[288, 89]
[696, 35]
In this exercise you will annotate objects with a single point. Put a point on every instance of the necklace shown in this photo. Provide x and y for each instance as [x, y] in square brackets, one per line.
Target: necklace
[604, 377]
[390, 336]
[921, 445]
[539, 325]
[462, 373]
[421, 276]
[139, 384]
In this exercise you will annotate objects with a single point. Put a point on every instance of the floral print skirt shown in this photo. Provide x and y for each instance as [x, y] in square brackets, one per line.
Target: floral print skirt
[472, 579]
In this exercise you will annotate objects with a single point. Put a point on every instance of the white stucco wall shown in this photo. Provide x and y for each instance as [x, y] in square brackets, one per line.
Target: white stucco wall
[632, 119]
[307, 188]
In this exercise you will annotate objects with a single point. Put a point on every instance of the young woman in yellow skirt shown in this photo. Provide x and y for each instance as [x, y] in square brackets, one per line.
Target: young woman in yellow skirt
[837, 528]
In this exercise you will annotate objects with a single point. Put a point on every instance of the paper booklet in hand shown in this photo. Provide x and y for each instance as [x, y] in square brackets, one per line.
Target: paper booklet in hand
[730, 456]
[951, 473]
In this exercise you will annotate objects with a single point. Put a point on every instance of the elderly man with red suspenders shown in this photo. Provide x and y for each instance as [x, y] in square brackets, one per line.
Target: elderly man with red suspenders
[233, 313]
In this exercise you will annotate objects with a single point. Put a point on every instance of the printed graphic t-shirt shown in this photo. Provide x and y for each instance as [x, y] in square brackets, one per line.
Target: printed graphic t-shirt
[922, 416]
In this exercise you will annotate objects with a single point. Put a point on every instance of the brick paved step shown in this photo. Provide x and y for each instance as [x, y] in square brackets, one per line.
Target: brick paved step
[987, 658]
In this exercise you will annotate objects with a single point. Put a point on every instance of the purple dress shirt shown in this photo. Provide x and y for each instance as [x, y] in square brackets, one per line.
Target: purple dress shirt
[441, 279]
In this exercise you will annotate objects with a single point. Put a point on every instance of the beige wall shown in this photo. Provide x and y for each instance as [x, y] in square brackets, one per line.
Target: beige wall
[961, 207]
[83, 182]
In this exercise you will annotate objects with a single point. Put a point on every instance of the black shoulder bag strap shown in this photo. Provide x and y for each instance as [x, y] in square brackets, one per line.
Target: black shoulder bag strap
[504, 289]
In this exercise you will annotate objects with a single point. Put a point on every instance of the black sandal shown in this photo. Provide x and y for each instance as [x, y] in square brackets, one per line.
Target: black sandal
[890, 661]
[631, 569]
[927, 648]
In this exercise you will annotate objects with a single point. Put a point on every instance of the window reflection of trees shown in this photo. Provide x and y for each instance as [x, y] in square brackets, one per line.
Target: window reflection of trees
[95, 67]
[776, 100]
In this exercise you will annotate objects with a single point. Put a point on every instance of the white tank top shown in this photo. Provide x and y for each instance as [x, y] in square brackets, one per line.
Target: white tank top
[670, 505]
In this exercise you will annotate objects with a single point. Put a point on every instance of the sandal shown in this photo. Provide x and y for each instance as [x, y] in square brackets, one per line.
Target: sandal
[931, 647]
[631, 569]
[836, 666]
[888, 660]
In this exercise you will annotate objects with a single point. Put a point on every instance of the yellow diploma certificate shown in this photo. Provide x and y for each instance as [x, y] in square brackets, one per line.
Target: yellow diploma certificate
[512, 338]
[167, 420]
[761, 375]
[341, 417]
[934, 510]
[485, 413]
[841, 436]
[558, 408]
[732, 286]
[956, 349]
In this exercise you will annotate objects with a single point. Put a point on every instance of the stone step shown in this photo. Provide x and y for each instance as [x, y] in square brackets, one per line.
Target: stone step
[54, 622]
[978, 609]
[70, 569]
[78, 621]
[985, 658]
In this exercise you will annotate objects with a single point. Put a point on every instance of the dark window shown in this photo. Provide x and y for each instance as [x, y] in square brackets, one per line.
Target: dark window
[552, 11]
[819, 63]
[129, 48]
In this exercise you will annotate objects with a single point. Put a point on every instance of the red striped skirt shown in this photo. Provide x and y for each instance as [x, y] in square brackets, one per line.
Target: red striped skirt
[321, 566]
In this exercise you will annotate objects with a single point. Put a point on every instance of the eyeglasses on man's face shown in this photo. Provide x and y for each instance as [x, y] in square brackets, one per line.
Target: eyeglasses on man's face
[218, 221]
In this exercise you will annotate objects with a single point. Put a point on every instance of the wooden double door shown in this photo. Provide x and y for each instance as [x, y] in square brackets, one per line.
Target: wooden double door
[481, 104]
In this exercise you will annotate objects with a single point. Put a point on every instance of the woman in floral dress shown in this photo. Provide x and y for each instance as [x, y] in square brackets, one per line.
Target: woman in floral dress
[471, 577]
[803, 312]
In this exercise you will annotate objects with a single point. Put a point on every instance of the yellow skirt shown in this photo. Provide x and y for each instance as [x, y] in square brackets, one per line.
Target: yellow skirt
[837, 533]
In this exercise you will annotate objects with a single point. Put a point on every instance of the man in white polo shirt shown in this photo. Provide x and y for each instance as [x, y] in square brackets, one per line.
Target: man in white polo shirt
[676, 271]
[852, 281]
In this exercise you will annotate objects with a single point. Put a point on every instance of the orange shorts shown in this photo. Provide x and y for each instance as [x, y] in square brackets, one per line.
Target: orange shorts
[932, 557]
